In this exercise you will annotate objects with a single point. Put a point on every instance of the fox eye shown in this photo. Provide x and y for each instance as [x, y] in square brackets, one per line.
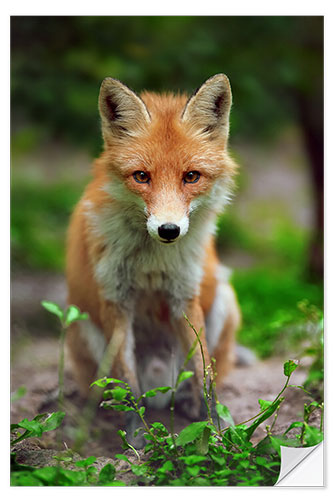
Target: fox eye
[141, 177]
[192, 177]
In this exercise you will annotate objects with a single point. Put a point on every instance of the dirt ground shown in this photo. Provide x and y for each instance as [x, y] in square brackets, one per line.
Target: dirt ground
[34, 365]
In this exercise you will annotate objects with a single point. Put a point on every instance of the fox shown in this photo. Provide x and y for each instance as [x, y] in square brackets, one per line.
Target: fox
[141, 251]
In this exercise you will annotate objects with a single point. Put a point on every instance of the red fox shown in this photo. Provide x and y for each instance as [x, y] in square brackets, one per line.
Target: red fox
[140, 248]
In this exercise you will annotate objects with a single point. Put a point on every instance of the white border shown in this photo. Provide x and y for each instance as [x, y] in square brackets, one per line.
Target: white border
[144, 7]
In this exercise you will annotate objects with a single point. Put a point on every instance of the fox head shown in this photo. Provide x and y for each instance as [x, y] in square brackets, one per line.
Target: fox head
[166, 154]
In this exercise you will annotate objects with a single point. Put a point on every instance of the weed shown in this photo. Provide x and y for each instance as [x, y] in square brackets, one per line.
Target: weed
[66, 318]
[85, 475]
[38, 425]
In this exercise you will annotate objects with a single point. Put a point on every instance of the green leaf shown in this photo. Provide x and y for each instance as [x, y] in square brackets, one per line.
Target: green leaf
[24, 479]
[18, 394]
[236, 435]
[86, 462]
[53, 308]
[193, 469]
[290, 366]
[119, 393]
[166, 467]
[261, 460]
[122, 435]
[312, 435]
[224, 413]
[219, 459]
[33, 426]
[276, 444]
[193, 459]
[203, 441]
[116, 407]
[191, 432]
[71, 477]
[103, 382]
[53, 421]
[270, 410]
[264, 404]
[151, 393]
[107, 474]
[160, 429]
[201, 481]
[41, 416]
[73, 313]
[47, 474]
[293, 425]
[184, 376]
[139, 470]
[38, 425]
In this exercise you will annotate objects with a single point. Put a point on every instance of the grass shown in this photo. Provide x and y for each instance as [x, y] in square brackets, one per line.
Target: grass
[272, 289]
[39, 219]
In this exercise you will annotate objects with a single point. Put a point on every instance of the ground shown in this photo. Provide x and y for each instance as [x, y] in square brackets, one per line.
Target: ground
[35, 366]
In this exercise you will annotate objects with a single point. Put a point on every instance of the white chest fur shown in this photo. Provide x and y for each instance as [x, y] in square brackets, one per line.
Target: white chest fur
[134, 264]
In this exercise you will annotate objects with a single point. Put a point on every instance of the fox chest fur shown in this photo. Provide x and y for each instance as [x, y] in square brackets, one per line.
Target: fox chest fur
[133, 265]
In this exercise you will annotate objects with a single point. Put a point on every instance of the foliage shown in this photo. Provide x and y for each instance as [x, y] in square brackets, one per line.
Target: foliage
[313, 347]
[268, 299]
[271, 292]
[87, 475]
[66, 318]
[36, 427]
[39, 217]
[58, 63]
[203, 454]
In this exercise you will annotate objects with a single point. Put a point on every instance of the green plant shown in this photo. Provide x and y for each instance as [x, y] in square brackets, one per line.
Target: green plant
[314, 335]
[39, 217]
[213, 452]
[203, 453]
[86, 475]
[37, 426]
[66, 318]
[272, 321]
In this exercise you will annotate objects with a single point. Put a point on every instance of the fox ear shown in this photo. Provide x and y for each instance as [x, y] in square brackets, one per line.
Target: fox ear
[122, 111]
[208, 109]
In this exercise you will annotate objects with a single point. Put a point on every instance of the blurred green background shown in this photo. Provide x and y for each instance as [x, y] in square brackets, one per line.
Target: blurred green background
[272, 233]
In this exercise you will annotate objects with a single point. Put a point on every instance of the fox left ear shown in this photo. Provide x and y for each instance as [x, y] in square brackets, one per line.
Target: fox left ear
[208, 109]
[123, 113]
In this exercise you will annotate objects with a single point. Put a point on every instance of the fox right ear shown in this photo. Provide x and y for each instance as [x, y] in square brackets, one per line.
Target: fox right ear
[208, 109]
[122, 111]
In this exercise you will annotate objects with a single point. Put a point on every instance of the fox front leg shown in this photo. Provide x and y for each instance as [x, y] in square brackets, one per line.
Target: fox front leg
[119, 360]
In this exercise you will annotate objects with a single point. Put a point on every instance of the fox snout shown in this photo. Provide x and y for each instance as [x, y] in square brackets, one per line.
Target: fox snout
[169, 231]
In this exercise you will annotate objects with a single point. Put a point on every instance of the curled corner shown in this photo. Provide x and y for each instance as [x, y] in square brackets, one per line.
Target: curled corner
[301, 466]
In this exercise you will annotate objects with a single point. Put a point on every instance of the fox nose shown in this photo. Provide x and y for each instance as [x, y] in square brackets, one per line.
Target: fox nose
[168, 231]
